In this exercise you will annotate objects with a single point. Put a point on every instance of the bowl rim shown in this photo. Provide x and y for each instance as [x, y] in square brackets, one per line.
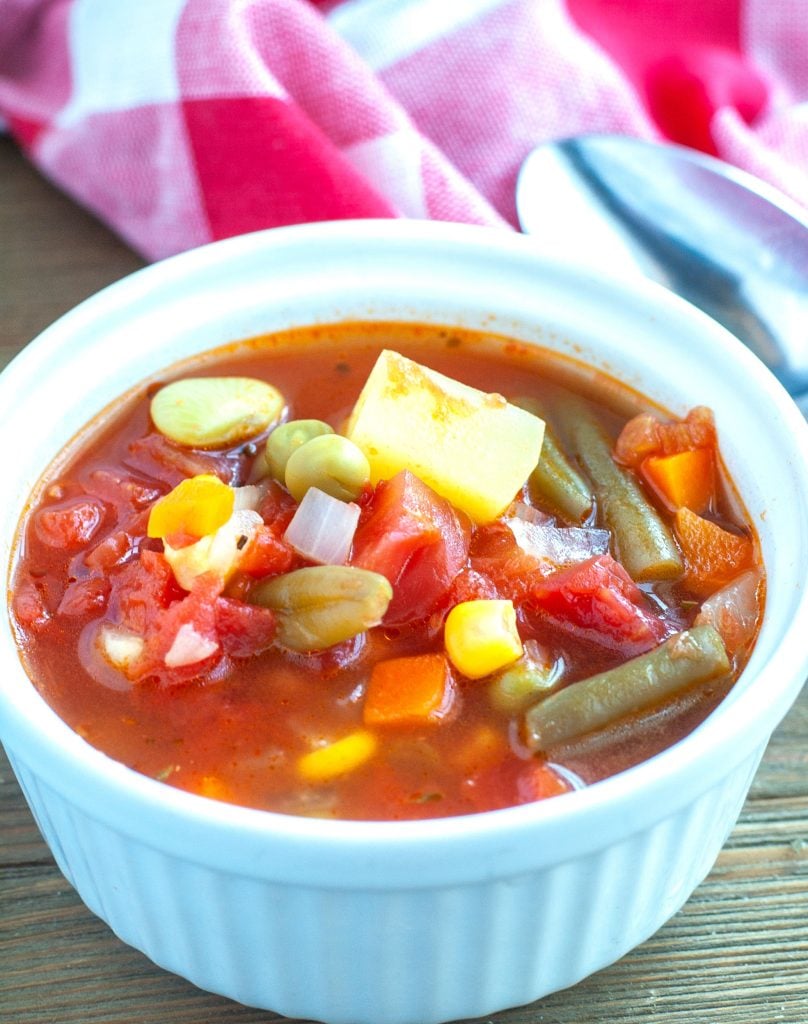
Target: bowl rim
[610, 806]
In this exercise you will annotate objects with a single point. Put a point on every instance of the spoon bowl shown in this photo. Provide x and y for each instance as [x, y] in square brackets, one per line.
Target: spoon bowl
[717, 236]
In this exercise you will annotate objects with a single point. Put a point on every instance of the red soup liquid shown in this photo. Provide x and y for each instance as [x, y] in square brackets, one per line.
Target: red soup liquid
[240, 723]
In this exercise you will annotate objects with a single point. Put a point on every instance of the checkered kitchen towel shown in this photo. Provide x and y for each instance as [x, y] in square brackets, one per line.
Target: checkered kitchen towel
[182, 121]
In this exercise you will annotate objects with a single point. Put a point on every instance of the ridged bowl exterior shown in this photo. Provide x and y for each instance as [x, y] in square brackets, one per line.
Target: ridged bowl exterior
[404, 923]
[304, 951]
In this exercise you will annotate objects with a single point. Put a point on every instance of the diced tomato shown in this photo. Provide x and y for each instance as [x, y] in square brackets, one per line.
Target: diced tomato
[30, 607]
[416, 540]
[510, 781]
[496, 555]
[142, 590]
[156, 456]
[122, 489]
[114, 549]
[598, 601]
[468, 585]
[277, 508]
[398, 521]
[186, 635]
[365, 496]
[243, 629]
[69, 525]
[194, 615]
[428, 575]
[266, 555]
[471, 585]
[238, 587]
[83, 597]
[646, 435]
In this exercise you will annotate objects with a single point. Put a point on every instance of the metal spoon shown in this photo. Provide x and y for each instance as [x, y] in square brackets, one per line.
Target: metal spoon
[713, 234]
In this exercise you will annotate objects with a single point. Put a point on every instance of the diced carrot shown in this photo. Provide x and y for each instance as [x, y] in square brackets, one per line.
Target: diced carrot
[197, 506]
[266, 555]
[407, 691]
[713, 556]
[683, 480]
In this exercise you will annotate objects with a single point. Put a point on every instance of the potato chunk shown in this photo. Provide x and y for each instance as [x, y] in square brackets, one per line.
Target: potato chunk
[473, 448]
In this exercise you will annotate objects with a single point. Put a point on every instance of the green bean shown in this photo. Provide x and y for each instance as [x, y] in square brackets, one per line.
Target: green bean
[643, 543]
[560, 485]
[555, 484]
[521, 684]
[690, 658]
[332, 463]
[322, 605]
[286, 439]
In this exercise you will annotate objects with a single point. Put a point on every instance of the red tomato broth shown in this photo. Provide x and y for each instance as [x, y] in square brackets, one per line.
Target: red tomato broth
[237, 734]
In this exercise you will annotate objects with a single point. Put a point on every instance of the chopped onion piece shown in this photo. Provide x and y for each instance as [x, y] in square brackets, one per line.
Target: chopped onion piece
[189, 647]
[249, 497]
[322, 529]
[559, 545]
[529, 514]
[219, 552]
[733, 611]
[120, 647]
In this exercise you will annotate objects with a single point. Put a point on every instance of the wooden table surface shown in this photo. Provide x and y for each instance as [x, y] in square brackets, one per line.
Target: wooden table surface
[736, 954]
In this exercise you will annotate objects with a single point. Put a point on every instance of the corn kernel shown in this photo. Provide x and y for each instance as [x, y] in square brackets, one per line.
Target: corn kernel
[197, 506]
[338, 758]
[481, 637]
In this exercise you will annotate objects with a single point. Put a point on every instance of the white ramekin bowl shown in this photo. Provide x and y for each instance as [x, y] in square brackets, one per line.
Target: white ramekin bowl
[420, 921]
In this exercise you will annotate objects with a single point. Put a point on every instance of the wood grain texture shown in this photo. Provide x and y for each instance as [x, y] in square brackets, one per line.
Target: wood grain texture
[736, 954]
[53, 254]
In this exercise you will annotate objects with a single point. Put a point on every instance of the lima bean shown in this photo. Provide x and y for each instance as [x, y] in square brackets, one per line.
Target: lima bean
[215, 412]
[286, 439]
[322, 605]
[331, 463]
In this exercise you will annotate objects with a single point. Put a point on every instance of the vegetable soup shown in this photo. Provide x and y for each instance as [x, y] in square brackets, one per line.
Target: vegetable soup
[386, 571]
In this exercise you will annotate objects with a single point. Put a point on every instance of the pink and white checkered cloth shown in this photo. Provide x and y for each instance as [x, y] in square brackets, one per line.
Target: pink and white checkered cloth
[182, 121]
